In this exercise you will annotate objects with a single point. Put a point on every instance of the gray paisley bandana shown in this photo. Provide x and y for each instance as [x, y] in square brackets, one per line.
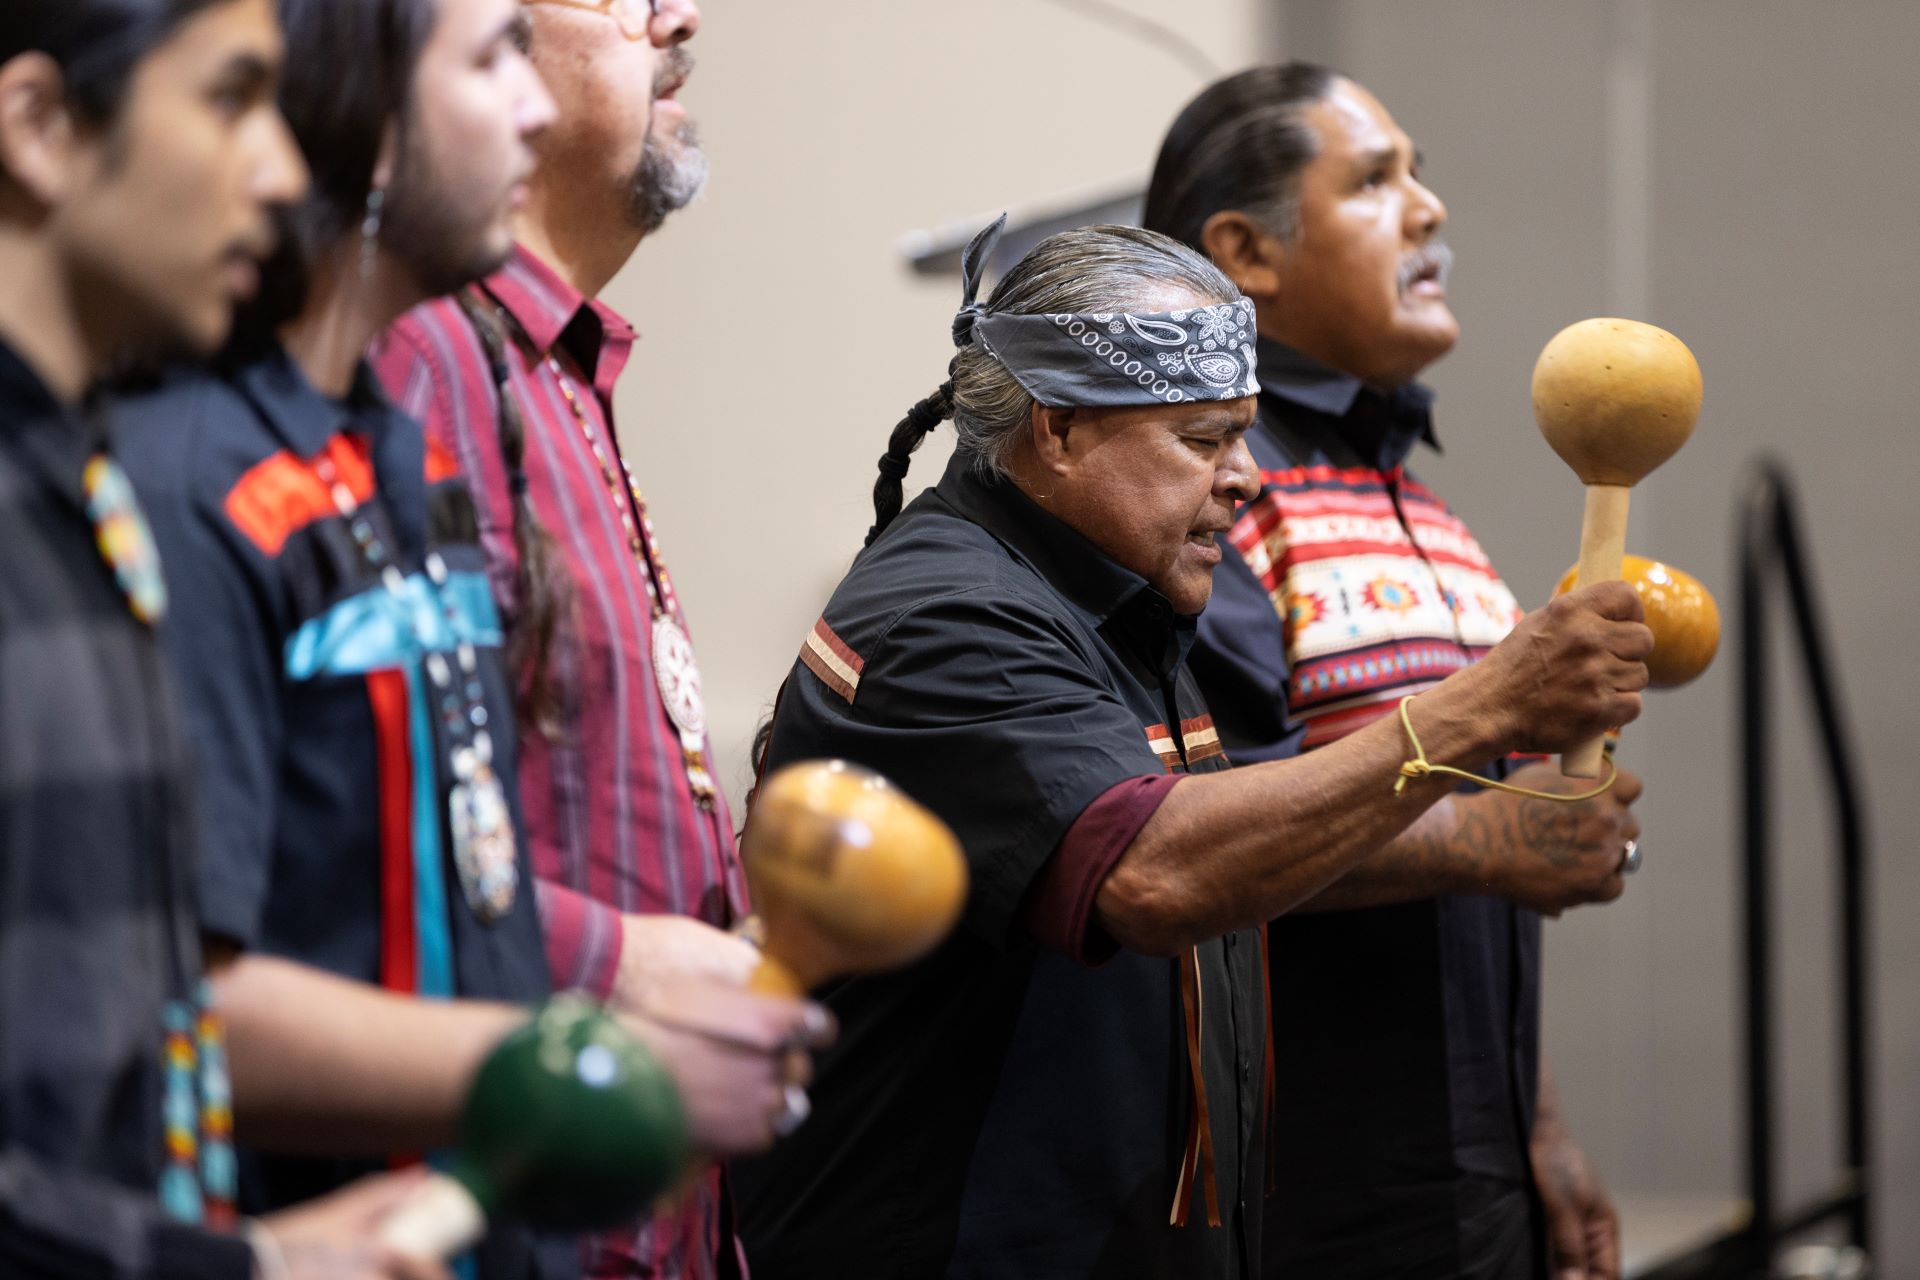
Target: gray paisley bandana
[1102, 360]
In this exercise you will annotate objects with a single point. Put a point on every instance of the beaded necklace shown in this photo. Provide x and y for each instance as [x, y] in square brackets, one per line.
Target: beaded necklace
[675, 669]
[200, 1179]
[479, 821]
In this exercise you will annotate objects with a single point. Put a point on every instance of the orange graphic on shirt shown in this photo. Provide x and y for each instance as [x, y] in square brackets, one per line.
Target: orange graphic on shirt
[1304, 608]
[1389, 595]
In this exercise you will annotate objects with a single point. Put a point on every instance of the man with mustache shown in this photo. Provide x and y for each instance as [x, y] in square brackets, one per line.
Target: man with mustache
[1415, 1132]
[630, 837]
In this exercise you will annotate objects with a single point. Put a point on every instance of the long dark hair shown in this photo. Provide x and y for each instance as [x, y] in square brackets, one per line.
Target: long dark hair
[542, 591]
[98, 44]
[1240, 145]
[349, 77]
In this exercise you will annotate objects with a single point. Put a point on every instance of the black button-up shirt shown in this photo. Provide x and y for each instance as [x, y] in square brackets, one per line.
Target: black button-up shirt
[97, 930]
[1407, 1036]
[999, 1110]
[322, 746]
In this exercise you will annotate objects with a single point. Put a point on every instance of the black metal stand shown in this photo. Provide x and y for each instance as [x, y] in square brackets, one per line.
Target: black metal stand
[1771, 554]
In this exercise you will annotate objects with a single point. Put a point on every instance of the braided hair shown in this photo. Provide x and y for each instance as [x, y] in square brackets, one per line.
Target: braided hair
[540, 587]
[889, 491]
[1090, 269]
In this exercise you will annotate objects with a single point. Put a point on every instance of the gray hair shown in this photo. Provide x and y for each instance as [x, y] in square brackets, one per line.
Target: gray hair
[1091, 269]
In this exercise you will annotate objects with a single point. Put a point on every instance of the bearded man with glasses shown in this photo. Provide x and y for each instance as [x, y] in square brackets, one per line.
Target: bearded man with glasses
[631, 841]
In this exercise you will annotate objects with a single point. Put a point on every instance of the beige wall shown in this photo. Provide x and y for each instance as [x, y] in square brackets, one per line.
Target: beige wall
[1742, 171]
[784, 337]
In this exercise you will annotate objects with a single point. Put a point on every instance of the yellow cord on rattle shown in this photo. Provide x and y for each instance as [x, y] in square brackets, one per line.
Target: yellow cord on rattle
[1420, 767]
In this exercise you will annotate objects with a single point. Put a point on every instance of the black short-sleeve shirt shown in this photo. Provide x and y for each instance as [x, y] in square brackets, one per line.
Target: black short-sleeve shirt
[1000, 1109]
[322, 747]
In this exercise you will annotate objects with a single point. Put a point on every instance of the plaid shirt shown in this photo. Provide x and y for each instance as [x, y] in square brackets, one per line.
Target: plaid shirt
[97, 930]
[612, 818]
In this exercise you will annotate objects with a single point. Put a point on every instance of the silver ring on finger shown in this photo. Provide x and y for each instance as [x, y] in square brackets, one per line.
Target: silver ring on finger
[1630, 859]
[793, 1112]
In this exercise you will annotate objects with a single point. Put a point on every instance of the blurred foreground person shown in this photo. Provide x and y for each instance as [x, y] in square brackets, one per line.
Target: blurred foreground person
[140, 153]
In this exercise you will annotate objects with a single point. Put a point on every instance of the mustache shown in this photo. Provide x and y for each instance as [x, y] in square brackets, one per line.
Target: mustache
[1434, 258]
[674, 68]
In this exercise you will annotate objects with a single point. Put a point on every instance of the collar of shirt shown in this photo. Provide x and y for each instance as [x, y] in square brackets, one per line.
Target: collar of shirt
[1382, 428]
[553, 314]
[1106, 594]
[55, 439]
[303, 417]
[24, 397]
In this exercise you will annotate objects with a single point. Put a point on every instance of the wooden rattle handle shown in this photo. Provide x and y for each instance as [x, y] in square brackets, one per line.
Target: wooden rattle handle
[797, 956]
[1603, 549]
[438, 1221]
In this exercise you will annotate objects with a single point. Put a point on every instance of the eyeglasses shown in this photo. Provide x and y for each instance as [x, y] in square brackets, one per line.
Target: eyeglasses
[634, 17]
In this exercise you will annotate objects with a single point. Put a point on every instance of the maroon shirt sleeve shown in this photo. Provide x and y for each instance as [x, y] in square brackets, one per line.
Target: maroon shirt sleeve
[1060, 907]
[584, 940]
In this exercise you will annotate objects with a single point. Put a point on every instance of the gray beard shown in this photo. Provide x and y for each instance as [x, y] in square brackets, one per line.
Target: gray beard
[667, 183]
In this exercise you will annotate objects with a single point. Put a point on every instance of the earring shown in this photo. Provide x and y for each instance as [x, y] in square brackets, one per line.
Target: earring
[370, 231]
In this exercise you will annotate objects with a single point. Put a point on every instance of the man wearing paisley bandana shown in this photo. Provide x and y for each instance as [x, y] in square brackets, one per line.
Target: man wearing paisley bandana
[1074, 1084]
[1414, 1119]
[140, 155]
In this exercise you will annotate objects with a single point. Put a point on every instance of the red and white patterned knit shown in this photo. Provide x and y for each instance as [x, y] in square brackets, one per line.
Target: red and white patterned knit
[1382, 589]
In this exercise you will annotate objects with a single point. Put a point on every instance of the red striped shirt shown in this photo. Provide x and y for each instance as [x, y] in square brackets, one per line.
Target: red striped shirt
[613, 822]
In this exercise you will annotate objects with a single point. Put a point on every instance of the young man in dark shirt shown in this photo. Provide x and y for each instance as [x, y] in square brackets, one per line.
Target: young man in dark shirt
[139, 153]
[363, 874]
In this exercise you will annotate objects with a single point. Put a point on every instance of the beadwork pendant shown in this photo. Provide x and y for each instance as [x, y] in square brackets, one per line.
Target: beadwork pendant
[483, 844]
[678, 676]
[200, 1179]
[120, 531]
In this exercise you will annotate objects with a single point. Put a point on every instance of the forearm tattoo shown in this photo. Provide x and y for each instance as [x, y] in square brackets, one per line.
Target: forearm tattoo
[1464, 845]
[1446, 850]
